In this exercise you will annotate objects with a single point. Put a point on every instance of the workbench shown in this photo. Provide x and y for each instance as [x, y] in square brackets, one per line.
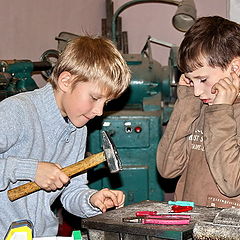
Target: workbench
[109, 225]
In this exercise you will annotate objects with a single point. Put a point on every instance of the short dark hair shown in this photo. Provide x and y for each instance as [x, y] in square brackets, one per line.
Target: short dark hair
[212, 39]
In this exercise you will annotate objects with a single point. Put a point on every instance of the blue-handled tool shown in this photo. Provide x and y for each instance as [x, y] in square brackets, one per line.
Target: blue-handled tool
[181, 203]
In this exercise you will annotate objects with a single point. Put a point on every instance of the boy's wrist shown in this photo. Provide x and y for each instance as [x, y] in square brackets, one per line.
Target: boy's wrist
[184, 91]
[93, 191]
[26, 169]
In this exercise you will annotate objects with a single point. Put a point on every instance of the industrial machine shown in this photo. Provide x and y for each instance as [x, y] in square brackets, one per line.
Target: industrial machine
[136, 120]
[16, 76]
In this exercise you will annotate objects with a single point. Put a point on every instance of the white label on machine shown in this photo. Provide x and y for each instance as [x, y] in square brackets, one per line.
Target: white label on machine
[106, 124]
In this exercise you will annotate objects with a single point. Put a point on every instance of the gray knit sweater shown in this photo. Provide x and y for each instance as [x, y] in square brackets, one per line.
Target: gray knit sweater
[33, 130]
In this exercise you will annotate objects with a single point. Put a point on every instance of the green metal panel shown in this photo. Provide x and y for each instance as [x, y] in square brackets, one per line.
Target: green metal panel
[139, 178]
[22, 72]
[16, 76]
[135, 123]
[129, 176]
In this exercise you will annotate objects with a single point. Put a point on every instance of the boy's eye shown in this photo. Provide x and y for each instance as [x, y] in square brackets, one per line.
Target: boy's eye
[203, 80]
[94, 98]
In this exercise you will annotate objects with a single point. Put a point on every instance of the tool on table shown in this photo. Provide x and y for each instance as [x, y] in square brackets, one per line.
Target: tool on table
[160, 219]
[181, 203]
[155, 213]
[109, 154]
[179, 209]
[146, 213]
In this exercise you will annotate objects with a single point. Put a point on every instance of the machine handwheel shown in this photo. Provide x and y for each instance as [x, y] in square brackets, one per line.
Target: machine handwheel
[50, 56]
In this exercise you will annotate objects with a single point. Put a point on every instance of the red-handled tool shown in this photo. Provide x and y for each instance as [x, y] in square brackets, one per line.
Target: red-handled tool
[174, 209]
[178, 209]
[145, 213]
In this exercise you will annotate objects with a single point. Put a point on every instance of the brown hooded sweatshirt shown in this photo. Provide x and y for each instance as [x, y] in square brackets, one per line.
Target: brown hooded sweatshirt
[201, 144]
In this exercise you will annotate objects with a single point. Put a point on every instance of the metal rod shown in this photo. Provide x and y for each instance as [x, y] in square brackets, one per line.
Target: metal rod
[132, 3]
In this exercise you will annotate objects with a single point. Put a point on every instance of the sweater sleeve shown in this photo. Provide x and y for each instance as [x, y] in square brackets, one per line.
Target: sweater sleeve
[172, 152]
[13, 168]
[75, 197]
[222, 146]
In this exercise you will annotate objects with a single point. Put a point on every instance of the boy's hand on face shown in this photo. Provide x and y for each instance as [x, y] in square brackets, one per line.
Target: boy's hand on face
[106, 198]
[50, 177]
[226, 90]
[183, 81]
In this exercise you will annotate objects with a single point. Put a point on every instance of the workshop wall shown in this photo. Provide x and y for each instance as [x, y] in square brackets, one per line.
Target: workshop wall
[155, 19]
[28, 27]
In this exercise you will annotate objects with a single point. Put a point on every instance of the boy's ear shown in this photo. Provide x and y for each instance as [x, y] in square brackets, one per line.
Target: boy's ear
[235, 66]
[64, 81]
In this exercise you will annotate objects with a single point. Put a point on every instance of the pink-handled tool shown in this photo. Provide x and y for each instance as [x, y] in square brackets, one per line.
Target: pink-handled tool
[174, 211]
[165, 221]
[169, 217]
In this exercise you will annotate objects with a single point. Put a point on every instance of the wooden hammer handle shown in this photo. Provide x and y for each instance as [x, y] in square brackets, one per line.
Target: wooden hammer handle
[71, 170]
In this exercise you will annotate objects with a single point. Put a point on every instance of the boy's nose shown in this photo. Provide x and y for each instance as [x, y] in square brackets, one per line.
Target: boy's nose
[98, 109]
[197, 91]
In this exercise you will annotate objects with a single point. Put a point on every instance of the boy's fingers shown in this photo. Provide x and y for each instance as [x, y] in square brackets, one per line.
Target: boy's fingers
[58, 165]
[224, 85]
[121, 204]
[64, 178]
[116, 196]
[215, 88]
[184, 81]
[236, 80]
[108, 203]
[110, 194]
[52, 187]
[106, 198]
[101, 206]
[120, 197]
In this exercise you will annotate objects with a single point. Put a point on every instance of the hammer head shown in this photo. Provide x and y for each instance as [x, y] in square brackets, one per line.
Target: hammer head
[111, 154]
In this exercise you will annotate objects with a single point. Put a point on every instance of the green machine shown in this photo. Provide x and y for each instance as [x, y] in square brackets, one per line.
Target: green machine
[136, 120]
[16, 76]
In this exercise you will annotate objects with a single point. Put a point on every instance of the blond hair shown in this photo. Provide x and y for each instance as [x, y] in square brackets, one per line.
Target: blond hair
[94, 59]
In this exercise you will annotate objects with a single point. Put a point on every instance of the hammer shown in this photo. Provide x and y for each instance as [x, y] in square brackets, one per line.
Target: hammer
[109, 154]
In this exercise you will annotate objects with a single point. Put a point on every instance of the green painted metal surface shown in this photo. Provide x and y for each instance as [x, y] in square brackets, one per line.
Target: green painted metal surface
[16, 76]
[139, 178]
[135, 123]
[20, 77]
